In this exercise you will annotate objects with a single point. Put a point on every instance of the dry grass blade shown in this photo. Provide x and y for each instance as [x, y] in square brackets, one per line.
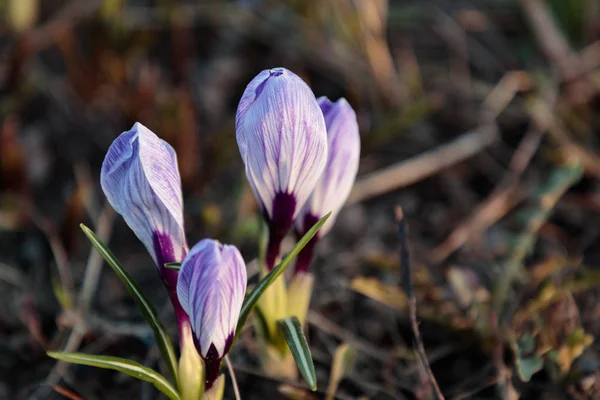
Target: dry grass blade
[90, 283]
[236, 389]
[412, 301]
[343, 362]
[67, 393]
[95, 261]
[322, 323]
[547, 33]
[60, 255]
[560, 180]
[543, 114]
[424, 165]
[503, 198]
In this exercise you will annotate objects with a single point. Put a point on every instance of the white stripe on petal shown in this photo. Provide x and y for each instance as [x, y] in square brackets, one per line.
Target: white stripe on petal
[281, 134]
[140, 179]
[211, 289]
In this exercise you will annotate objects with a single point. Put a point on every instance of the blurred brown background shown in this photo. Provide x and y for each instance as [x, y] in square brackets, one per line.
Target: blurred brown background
[479, 117]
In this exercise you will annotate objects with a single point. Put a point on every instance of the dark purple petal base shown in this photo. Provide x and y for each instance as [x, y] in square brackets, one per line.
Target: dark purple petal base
[212, 361]
[280, 223]
[306, 254]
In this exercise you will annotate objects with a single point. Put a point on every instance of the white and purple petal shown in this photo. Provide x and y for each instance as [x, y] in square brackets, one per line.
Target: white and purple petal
[282, 139]
[211, 289]
[337, 180]
[140, 179]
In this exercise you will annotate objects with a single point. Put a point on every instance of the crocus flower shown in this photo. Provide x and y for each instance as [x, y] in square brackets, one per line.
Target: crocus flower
[282, 138]
[335, 184]
[141, 181]
[211, 289]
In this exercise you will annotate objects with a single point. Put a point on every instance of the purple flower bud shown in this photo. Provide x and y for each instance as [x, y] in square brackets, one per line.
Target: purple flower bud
[140, 179]
[335, 184]
[211, 289]
[283, 142]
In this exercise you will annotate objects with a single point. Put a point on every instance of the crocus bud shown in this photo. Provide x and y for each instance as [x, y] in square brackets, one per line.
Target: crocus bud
[335, 184]
[140, 179]
[282, 138]
[211, 289]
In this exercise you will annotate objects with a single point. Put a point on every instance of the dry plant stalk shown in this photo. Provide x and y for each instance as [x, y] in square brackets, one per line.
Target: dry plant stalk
[412, 301]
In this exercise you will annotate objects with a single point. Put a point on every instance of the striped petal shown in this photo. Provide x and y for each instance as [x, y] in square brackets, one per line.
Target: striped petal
[335, 184]
[211, 289]
[282, 138]
[140, 179]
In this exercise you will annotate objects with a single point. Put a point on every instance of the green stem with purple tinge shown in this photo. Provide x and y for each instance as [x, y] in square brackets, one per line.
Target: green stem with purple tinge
[163, 249]
[280, 222]
[170, 281]
[305, 256]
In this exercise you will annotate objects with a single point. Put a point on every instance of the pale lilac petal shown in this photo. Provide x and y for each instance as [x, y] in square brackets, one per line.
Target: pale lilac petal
[337, 180]
[211, 289]
[281, 134]
[140, 179]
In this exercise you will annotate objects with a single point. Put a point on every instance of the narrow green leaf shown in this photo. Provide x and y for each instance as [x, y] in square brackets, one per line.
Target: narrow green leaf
[292, 331]
[174, 265]
[259, 289]
[123, 365]
[146, 308]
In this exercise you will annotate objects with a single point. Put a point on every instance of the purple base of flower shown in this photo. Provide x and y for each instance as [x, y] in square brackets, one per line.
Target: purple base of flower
[163, 249]
[280, 223]
[212, 362]
[306, 254]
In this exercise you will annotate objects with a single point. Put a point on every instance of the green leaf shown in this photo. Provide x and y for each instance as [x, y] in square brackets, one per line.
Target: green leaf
[529, 366]
[146, 308]
[259, 289]
[174, 265]
[125, 366]
[292, 331]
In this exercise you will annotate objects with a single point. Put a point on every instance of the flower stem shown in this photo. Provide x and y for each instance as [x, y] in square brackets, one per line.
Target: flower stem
[305, 256]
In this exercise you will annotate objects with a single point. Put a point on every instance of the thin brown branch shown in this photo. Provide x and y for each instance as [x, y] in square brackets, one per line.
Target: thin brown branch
[325, 325]
[58, 252]
[67, 393]
[412, 301]
[503, 198]
[95, 261]
[543, 115]
[236, 389]
[424, 165]
[548, 35]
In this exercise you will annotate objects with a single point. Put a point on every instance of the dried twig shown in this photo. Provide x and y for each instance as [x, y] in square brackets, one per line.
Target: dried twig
[69, 15]
[424, 165]
[326, 325]
[236, 389]
[412, 301]
[90, 283]
[548, 35]
[503, 198]
[67, 393]
[95, 261]
[58, 252]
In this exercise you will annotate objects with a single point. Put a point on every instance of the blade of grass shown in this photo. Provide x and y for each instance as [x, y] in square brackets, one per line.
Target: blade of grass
[131, 368]
[174, 265]
[162, 338]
